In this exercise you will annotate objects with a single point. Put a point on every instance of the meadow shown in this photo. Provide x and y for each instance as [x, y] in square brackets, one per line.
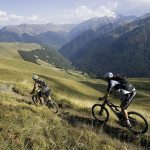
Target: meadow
[24, 125]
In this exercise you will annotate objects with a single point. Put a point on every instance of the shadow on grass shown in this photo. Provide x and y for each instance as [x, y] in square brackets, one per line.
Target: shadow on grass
[114, 132]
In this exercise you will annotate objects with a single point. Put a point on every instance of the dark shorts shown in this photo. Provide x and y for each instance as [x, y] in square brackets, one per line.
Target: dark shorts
[44, 94]
[126, 100]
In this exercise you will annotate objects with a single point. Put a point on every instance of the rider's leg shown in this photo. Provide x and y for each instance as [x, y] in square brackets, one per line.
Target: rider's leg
[41, 100]
[40, 97]
[47, 94]
[126, 101]
[49, 97]
[126, 119]
[125, 113]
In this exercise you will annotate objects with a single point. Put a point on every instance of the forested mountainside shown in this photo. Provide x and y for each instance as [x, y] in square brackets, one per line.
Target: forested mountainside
[124, 50]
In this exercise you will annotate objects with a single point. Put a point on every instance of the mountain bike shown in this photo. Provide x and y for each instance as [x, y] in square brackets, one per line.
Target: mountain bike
[47, 102]
[139, 124]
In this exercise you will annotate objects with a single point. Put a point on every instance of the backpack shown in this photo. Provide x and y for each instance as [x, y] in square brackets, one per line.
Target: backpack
[41, 83]
[121, 79]
[123, 83]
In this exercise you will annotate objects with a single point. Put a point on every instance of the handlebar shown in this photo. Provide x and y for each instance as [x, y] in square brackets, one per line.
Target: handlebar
[100, 99]
[105, 99]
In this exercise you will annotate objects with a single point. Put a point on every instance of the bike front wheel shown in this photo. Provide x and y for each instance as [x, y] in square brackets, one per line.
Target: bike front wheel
[139, 124]
[35, 99]
[52, 106]
[100, 113]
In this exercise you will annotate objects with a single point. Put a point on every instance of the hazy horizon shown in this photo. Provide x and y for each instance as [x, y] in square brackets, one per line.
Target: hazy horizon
[67, 11]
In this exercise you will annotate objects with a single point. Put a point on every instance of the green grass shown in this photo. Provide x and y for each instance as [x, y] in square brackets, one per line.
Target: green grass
[11, 49]
[26, 126]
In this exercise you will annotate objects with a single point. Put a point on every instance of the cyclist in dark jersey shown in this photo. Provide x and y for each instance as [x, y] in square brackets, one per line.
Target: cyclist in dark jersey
[43, 89]
[127, 91]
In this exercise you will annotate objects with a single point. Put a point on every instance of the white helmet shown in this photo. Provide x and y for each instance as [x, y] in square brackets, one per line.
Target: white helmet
[35, 77]
[108, 75]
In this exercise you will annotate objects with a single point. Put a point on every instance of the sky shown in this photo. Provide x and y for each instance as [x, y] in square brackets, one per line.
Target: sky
[67, 11]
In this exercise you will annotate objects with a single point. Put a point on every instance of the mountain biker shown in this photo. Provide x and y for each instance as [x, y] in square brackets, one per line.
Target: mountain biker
[41, 86]
[126, 89]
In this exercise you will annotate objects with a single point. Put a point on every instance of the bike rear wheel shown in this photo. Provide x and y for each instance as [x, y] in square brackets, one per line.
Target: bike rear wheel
[100, 113]
[52, 106]
[138, 122]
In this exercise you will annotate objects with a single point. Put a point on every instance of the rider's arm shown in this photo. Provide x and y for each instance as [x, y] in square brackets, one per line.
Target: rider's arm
[111, 84]
[34, 88]
[108, 91]
[105, 96]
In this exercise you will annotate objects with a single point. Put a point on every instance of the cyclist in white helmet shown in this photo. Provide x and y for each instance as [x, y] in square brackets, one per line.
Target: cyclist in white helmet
[43, 89]
[127, 91]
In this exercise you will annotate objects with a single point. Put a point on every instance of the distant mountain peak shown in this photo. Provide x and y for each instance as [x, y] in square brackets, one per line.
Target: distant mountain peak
[35, 29]
[144, 16]
[97, 22]
[123, 16]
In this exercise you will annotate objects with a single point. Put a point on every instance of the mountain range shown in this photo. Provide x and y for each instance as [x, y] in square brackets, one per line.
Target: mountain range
[53, 35]
[119, 44]
[124, 49]
[45, 34]
[99, 23]
[90, 30]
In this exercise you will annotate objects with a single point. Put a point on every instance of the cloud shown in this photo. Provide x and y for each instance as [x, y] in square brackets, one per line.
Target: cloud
[133, 7]
[84, 13]
[23, 19]
[82, 10]
[16, 17]
[6, 18]
[3, 16]
[141, 1]
[32, 18]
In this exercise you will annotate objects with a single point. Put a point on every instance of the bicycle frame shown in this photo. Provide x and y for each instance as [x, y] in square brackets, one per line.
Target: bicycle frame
[138, 126]
[38, 98]
[114, 108]
[47, 102]
[36, 95]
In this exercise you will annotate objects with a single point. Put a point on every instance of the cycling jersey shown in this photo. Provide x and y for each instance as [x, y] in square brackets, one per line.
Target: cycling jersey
[42, 85]
[122, 88]
[127, 91]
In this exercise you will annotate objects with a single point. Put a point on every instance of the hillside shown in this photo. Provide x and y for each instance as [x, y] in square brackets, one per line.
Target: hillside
[124, 50]
[89, 30]
[26, 126]
[48, 55]
[34, 53]
[11, 49]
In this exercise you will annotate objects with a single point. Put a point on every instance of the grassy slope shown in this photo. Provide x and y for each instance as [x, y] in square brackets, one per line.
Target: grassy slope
[25, 126]
[11, 49]
[27, 51]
